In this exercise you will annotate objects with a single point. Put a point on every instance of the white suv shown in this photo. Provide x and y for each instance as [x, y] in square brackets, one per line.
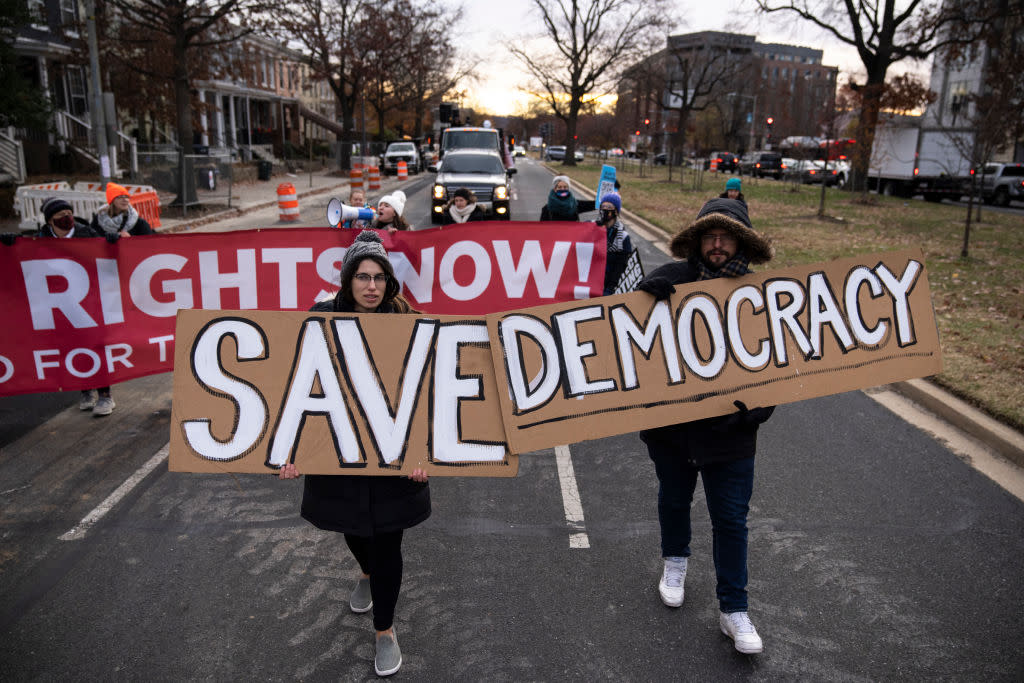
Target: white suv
[402, 151]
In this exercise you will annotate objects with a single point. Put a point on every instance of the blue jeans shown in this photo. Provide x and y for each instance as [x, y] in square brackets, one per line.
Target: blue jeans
[727, 488]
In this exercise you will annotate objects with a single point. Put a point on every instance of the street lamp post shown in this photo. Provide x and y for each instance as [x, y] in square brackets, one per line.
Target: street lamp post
[98, 119]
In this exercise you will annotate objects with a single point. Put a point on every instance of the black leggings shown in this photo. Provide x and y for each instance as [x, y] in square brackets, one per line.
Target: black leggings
[380, 556]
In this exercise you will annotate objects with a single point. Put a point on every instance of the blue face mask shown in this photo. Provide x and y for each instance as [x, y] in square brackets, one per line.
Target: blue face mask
[562, 194]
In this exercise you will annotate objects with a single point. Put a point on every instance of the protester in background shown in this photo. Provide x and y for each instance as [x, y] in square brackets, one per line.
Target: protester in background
[720, 243]
[372, 512]
[119, 217]
[562, 205]
[60, 223]
[620, 246]
[733, 190]
[462, 208]
[356, 198]
[389, 213]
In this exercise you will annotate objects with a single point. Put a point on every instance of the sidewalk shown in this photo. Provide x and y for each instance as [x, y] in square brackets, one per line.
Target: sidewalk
[262, 194]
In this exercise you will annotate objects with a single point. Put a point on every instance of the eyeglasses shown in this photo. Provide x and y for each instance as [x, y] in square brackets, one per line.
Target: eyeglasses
[724, 239]
[379, 278]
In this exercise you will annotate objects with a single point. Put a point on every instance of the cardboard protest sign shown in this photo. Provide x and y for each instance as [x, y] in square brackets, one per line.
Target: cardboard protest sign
[589, 369]
[335, 394]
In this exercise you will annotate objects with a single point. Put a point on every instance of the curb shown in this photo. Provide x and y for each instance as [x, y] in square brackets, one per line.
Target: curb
[187, 225]
[1004, 440]
[1000, 438]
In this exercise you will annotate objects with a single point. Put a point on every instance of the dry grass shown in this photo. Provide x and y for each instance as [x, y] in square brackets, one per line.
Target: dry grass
[979, 300]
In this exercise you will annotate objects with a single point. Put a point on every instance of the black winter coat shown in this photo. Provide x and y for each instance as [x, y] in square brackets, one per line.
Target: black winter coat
[82, 229]
[714, 439]
[358, 505]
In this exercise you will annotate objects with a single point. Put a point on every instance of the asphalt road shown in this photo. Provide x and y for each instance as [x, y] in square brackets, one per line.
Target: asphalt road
[875, 554]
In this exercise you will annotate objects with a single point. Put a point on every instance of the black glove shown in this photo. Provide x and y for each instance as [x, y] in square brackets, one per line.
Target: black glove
[660, 288]
[112, 237]
[7, 238]
[742, 418]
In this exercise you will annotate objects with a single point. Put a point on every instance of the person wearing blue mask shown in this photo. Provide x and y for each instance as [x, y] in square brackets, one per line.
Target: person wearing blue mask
[562, 205]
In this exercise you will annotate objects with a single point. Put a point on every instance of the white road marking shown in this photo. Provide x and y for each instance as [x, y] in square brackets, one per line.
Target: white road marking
[82, 528]
[571, 499]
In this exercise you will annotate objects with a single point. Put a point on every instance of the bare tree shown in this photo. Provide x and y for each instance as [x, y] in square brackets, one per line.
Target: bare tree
[435, 69]
[334, 33]
[690, 77]
[990, 119]
[181, 29]
[593, 41]
[885, 32]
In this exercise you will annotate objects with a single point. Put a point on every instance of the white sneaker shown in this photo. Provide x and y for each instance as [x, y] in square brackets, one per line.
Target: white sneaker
[104, 406]
[737, 626]
[88, 400]
[672, 578]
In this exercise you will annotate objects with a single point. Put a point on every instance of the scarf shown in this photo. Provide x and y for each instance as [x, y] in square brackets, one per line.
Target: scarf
[461, 215]
[125, 221]
[734, 267]
[616, 237]
[562, 209]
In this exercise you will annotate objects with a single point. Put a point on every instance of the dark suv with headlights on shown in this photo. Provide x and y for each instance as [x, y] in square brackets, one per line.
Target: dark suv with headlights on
[479, 170]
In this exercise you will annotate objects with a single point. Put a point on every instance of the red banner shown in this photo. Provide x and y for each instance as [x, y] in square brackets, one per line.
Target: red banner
[82, 313]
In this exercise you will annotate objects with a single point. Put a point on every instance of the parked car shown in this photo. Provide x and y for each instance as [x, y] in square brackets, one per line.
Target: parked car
[660, 159]
[402, 151]
[555, 153]
[761, 163]
[520, 151]
[813, 171]
[1002, 182]
[725, 161]
[481, 171]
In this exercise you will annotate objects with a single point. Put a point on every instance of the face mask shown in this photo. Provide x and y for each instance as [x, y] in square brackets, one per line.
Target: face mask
[562, 194]
[608, 216]
[64, 222]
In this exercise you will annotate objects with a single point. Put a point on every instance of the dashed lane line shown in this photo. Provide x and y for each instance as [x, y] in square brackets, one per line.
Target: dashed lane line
[571, 499]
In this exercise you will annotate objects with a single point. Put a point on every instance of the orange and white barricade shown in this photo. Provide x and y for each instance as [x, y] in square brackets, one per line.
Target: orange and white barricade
[403, 170]
[355, 178]
[287, 203]
[374, 178]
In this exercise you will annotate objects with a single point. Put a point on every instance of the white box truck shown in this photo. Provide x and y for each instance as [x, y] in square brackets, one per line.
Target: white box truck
[909, 159]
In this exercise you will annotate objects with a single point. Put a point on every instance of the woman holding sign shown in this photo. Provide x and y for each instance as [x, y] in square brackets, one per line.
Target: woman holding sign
[372, 512]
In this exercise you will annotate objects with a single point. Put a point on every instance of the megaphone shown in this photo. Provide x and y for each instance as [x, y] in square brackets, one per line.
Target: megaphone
[337, 213]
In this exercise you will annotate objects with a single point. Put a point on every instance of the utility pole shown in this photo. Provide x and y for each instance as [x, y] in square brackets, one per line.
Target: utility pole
[99, 121]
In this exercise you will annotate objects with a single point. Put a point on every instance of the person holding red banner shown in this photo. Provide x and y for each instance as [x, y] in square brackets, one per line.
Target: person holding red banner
[462, 208]
[389, 213]
[119, 217]
[721, 242]
[371, 512]
[61, 223]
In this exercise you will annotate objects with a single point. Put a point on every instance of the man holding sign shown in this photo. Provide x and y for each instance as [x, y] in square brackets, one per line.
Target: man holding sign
[720, 243]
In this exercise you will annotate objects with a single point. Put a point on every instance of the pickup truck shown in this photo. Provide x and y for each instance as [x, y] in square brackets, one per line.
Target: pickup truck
[1002, 182]
[402, 151]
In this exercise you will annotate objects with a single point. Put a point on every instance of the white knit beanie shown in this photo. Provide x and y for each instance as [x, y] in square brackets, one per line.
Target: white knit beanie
[396, 200]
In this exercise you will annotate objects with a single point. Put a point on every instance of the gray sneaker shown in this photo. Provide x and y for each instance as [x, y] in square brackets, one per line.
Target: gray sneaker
[672, 577]
[361, 599]
[88, 400]
[389, 657]
[104, 406]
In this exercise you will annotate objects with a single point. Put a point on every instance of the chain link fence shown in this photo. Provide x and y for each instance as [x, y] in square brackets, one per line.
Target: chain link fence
[191, 182]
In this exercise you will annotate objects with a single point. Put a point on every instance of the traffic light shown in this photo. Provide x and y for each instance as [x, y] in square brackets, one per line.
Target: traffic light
[647, 122]
[770, 120]
[637, 133]
[512, 140]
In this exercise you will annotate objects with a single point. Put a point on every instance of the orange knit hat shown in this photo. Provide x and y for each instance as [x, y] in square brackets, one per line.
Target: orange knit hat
[114, 191]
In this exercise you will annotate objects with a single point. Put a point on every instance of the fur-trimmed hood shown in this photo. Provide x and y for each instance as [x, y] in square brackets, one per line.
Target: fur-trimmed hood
[729, 215]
